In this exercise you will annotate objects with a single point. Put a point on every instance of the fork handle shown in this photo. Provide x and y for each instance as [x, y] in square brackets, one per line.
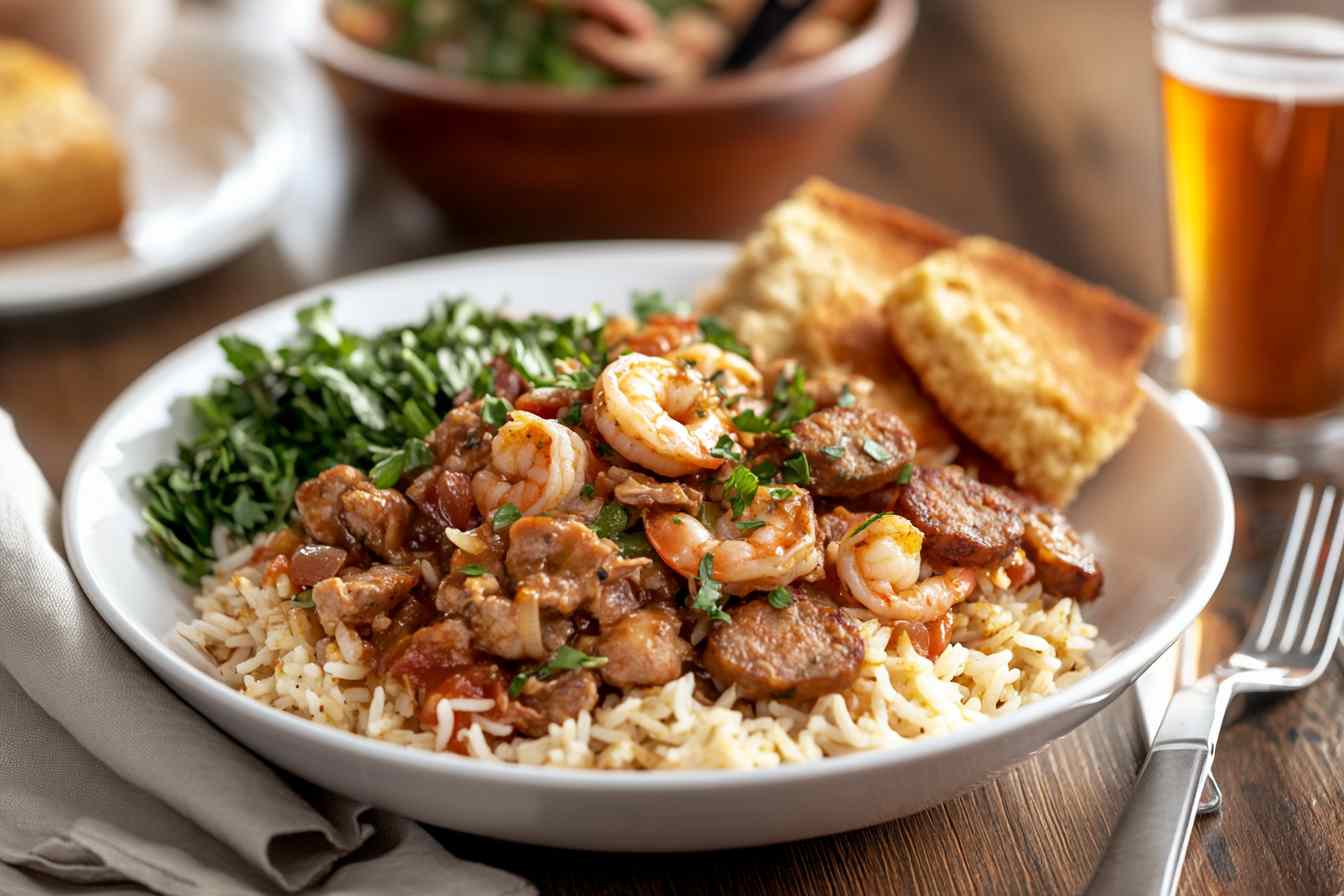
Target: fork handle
[1149, 842]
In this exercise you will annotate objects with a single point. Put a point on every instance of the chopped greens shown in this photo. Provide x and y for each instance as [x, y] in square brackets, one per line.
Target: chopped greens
[903, 476]
[303, 599]
[573, 415]
[739, 490]
[796, 470]
[652, 303]
[564, 659]
[868, 522]
[709, 596]
[789, 403]
[749, 525]
[779, 494]
[765, 470]
[611, 520]
[876, 451]
[716, 333]
[471, 570]
[495, 410]
[781, 598]
[328, 397]
[634, 544]
[586, 491]
[505, 517]
[846, 399]
[834, 452]
[726, 449]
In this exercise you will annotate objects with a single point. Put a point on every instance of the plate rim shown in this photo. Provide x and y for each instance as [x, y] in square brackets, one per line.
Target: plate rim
[1098, 687]
[260, 77]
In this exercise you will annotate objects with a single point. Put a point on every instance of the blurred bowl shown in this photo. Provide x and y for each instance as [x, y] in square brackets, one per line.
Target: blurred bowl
[521, 162]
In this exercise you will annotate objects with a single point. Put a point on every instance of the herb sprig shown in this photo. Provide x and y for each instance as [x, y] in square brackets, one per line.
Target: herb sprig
[564, 659]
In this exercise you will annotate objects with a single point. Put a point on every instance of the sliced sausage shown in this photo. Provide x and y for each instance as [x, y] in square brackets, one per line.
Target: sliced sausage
[1064, 564]
[378, 518]
[800, 652]
[853, 450]
[964, 522]
[357, 597]
[644, 649]
[319, 503]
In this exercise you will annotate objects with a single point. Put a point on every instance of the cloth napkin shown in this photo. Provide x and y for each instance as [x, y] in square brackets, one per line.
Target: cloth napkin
[110, 784]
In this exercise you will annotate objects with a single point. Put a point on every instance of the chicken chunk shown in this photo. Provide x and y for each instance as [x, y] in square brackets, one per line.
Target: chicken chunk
[319, 503]
[800, 652]
[378, 518]
[357, 597]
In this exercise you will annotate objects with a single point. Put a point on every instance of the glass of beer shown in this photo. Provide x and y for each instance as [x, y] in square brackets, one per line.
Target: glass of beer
[1253, 96]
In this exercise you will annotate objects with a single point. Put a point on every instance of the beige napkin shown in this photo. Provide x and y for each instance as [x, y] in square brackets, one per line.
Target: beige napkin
[109, 781]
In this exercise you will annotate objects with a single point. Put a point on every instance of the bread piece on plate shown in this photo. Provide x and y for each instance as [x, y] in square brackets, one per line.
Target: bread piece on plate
[809, 284]
[1036, 367]
[61, 165]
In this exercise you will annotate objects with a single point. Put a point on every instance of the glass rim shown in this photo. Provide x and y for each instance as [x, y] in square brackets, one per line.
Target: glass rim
[1166, 20]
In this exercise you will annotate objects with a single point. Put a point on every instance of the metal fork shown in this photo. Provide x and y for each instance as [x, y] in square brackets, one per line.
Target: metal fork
[1288, 647]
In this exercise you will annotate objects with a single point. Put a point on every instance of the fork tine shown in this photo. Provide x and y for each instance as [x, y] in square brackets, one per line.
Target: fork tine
[1307, 590]
[1262, 628]
[1328, 591]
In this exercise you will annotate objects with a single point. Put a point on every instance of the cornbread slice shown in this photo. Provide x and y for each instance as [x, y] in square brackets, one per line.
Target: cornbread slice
[60, 163]
[1036, 367]
[810, 282]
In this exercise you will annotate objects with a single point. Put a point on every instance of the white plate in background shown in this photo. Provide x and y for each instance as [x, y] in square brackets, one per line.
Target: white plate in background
[211, 147]
[1161, 511]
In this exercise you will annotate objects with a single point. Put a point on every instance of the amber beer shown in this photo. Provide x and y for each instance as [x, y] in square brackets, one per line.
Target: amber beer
[1255, 152]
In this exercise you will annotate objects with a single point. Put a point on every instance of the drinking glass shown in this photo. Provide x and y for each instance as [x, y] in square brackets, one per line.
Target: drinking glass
[1253, 101]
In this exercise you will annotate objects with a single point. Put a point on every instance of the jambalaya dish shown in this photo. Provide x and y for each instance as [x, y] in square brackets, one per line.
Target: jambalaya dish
[640, 550]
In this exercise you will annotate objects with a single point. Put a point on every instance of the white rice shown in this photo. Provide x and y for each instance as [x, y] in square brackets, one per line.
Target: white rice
[1007, 650]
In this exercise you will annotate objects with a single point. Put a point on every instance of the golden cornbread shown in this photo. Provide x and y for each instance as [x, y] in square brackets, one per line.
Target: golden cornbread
[1036, 367]
[61, 166]
[809, 283]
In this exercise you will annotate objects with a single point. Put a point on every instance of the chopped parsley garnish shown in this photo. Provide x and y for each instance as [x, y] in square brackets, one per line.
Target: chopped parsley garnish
[413, 456]
[739, 490]
[906, 471]
[846, 399]
[726, 449]
[652, 303]
[789, 403]
[634, 544]
[303, 599]
[834, 452]
[586, 491]
[876, 451]
[749, 525]
[474, 569]
[765, 470]
[611, 520]
[495, 410]
[796, 470]
[709, 596]
[564, 659]
[781, 598]
[505, 517]
[573, 415]
[779, 494]
[868, 522]
[715, 333]
[579, 380]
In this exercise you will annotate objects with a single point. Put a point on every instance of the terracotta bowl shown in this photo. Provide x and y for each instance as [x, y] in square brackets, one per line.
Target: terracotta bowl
[525, 162]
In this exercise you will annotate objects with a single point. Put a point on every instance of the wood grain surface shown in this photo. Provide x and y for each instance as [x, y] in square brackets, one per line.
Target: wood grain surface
[1034, 121]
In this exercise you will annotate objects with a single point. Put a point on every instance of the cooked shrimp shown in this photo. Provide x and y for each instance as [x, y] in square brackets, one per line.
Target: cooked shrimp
[879, 563]
[658, 414]
[731, 372]
[535, 464]
[773, 543]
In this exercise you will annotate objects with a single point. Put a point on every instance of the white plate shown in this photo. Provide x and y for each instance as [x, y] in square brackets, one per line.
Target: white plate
[1162, 510]
[211, 149]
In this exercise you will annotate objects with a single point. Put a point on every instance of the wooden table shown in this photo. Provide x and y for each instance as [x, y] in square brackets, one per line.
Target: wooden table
[1033, 121]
